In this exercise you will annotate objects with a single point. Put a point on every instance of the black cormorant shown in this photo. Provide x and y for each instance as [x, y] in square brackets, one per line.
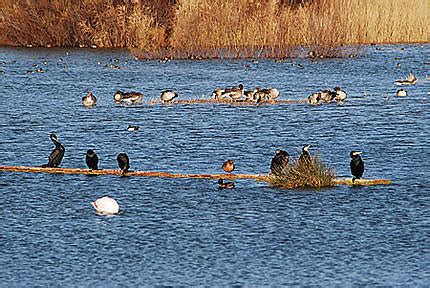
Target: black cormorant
[57, 154]
[92, 160]
[123, 162]
[225, 185]
[279, 161]
[357, 165]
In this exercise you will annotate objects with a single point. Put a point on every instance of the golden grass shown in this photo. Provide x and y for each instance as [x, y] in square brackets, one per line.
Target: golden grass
[64, 23]
[216, 28]
[298, 174]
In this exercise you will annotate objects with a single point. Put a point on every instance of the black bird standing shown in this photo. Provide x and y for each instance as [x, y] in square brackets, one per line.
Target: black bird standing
[92, 160]
[123, 162]
[279, 161]
[357, 165]
[57, 154]
[305, 157]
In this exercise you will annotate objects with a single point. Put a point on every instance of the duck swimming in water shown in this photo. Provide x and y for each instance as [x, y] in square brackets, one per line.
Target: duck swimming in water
[402, 93]
[279, 161]
[168, 96]
[128, 97]
[123, 162]
[228, 166]
[92, 160]
[106, 205]
[340, 94]
[133, 128]
[225, 185]
[357, 165]
[57, 154]
[305, 156]
[410, 80]
[89, 100]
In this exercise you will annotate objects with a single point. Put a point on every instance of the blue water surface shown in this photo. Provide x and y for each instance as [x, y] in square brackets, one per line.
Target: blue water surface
[184, 232]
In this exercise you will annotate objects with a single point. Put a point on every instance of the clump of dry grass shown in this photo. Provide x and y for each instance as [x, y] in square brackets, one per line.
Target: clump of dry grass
[314, 173]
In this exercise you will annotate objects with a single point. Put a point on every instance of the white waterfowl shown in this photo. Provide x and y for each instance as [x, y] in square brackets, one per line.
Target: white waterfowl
[402, 93]
[168, 96]
[106, 205]
[272, 93]
[89, 100]
[340, 94]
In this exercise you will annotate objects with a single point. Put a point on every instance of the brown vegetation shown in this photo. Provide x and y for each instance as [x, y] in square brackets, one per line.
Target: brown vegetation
[215, 28]
[309, 173]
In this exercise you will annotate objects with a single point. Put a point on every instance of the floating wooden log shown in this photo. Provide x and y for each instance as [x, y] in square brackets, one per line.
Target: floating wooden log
[361, 182]
[229, 102]
[257, 177]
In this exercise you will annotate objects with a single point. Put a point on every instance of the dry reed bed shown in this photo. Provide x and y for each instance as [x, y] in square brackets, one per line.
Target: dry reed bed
[216, 28]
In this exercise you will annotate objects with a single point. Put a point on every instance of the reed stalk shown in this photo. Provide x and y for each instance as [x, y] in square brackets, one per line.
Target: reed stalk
[216, 28]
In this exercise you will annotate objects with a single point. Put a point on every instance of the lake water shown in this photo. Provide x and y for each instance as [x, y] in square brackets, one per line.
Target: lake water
[186, 231]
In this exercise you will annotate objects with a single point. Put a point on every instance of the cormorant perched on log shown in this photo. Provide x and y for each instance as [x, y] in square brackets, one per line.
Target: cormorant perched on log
[305, 157]
[357, 165]
[92, 160]
[57, 154]
[279, 161]
[123, 162]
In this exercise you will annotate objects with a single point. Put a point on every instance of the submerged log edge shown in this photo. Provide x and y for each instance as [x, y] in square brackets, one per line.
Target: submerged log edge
[30, 169]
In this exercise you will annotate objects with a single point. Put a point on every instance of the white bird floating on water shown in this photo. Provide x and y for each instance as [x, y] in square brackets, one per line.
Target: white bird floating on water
[106, 205]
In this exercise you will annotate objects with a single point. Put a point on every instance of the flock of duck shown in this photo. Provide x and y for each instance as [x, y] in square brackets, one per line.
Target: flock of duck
[89, 100]
[108, 205]
[239, 94]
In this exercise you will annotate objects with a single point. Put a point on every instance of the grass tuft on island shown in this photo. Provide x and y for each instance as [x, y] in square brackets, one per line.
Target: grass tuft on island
[303, 174]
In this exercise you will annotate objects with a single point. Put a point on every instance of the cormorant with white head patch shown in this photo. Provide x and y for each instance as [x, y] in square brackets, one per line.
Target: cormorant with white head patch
[305, 156]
